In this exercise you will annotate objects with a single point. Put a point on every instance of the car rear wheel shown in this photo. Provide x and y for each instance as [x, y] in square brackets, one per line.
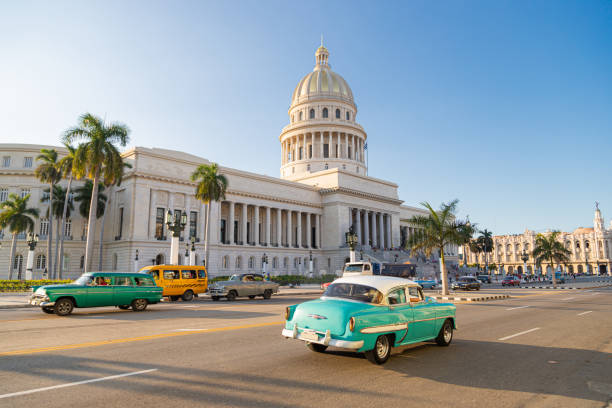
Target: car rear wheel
[446, 334]
[267, 294]
[124, 307]
[231, 296]
[138, 305]
[381, 352]
[318, 348]
[48, 310]
[187, 296]
[215, 298]
[63, 307]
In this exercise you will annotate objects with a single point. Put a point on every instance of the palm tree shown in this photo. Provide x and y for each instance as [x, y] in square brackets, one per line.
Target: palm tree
[476, 249]
[97, 158]
[437, 230]
[211, 187]
[83, 194]
[48, 172]
[549, 248]
[18, 218]
[59, 207]
[485, 241]
[66, 166]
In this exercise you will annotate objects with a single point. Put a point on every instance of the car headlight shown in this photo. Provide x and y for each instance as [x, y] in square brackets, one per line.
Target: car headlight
[351, 323]
[287, 313]
[41, 292]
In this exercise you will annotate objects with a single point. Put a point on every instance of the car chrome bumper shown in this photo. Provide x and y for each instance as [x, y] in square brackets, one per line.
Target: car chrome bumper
[41, 303]
[325, 340]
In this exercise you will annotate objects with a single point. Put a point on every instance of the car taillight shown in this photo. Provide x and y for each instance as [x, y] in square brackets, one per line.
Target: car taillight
[351, 323]
[287, 313]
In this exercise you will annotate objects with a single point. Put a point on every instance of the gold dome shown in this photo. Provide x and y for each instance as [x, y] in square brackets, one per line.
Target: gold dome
[583, 230]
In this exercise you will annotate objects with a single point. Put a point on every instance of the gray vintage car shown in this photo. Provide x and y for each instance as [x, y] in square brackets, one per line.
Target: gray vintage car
[248, 284]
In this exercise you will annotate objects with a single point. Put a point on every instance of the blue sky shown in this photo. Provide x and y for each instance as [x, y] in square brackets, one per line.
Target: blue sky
[505, 105]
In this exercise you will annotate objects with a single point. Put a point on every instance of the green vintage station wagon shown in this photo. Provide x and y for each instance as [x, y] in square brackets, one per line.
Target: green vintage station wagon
[96, 289]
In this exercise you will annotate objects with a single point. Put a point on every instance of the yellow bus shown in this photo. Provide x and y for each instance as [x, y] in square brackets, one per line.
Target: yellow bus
[179, 281]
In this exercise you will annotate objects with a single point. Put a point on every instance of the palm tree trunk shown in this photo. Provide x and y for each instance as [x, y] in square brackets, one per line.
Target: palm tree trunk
[12, 255]
[50, 233]
[443, 273]
[57, 240]
[554, 278]
[102, 229]
[206, 236]
[61, 251]
[91, 223]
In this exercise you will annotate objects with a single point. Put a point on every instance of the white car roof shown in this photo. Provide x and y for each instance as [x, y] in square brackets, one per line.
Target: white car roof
[380, 283]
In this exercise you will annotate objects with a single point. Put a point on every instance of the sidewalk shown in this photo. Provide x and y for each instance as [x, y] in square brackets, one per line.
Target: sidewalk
[454, 297]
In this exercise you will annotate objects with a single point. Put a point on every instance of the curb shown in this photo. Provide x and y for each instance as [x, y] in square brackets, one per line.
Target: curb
[26, 306]
[472, 299]
[563, 287]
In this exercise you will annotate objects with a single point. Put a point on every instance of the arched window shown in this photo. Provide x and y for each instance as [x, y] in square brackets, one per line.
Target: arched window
[312, 115]
[586, 244]
[325, 113]
[577, 244]
[41, 261]
[337, 113]
[238, 262]
[301, 116]
[18, 263]
[348, 115]
[159, 259]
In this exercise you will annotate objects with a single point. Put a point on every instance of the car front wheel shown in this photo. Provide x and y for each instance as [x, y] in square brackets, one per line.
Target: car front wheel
[63, 307]
[381, 352]
[267, 294]
[138, 305]
[231, 295]
[446, 334]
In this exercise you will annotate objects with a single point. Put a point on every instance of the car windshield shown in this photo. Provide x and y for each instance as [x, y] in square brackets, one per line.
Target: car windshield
[362, 293]
[352, 268]
[83, 280]
[235, 278]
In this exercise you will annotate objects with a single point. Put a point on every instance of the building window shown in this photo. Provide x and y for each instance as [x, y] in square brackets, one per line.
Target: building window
[312, 115]
[285, 262]
[6, 161]
[18, 262]
[27, 162]
[120, 223]
[238, 262]
[159, 223]
[275, 263]
[41, 262]
[193, 224]
[296, 262]
[348, 116]
[225, 262]
[325, 113]
[301, 116]
[223, 229]
[3, 194]
[251, 262]
[25, 192]
[326, 150]
[337, 113]
[44, 227]
[115, 262]
[68, 228]
[82, 262]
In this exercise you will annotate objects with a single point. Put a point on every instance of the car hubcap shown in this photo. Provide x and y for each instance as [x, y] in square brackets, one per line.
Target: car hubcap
[139, 303]
[64, 307]
[448, 332]
[382, 346]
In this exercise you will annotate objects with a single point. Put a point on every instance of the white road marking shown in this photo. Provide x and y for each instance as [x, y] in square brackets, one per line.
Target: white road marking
[518, 307]
[518, 334]
[583, 313]
[53, 387]
[569, 298]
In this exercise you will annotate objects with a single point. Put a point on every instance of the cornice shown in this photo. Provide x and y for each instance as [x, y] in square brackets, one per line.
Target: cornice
[311, 126]
[361, 194]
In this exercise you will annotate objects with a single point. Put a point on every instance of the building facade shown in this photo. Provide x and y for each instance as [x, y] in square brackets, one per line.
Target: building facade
[322, 191]
[590, 251]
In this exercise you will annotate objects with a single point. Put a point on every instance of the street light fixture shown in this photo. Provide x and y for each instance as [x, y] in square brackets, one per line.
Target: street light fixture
[31, 241]
[351, 241]
[136, 262]
[176, 226]
[525, 258]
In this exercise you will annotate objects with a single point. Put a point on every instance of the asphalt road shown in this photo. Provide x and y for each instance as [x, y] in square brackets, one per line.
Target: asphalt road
[540, 349]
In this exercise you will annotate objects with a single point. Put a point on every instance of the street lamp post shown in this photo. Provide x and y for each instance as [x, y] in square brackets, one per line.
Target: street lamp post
[192, 254]
[310, 264]
[32, 240]
[136, 262]
[264, 263]
[525, 258]
[361, 254]
[351, 241]
[176, 226]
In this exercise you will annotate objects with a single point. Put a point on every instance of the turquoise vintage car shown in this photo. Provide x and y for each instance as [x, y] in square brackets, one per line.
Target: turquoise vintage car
[124, 290]
[370, 314]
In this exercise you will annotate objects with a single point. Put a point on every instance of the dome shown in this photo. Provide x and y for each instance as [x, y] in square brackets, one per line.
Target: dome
[583, 230]
[322, 82]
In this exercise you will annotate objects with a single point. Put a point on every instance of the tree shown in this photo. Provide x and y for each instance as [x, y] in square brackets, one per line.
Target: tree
[48, 172]
[485, 241]
[437, 230]
[97, 158]
[549, 248]
[476, 249]
[59, 207]
[211, 187]
[66, 166]
[18, 218]
[82, 195]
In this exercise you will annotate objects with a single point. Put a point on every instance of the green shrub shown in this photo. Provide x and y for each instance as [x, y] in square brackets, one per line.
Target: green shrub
[24, 286]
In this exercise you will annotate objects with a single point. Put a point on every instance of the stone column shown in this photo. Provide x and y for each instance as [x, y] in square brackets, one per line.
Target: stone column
[321, 144]
[353, 149]
[289, 231]
[256, 226]
[358, 226]
[366, 228]
[388, 231]
[345, 145]
[374, 238]
[245, 238]
[317, 231]
[279, 227]
[230, 228]
[298, 240]
[381, 231]
[268, 226]
[308, 231]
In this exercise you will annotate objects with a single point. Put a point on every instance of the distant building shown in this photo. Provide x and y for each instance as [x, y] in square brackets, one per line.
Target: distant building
[590, 250]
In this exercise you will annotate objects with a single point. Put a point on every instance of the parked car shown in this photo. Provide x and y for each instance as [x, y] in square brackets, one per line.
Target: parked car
[484, 278]
[124, 290]
[370, 314]
[511, 281]
[426, 283]
[466, 283]
[248, 284]
[179, 281]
